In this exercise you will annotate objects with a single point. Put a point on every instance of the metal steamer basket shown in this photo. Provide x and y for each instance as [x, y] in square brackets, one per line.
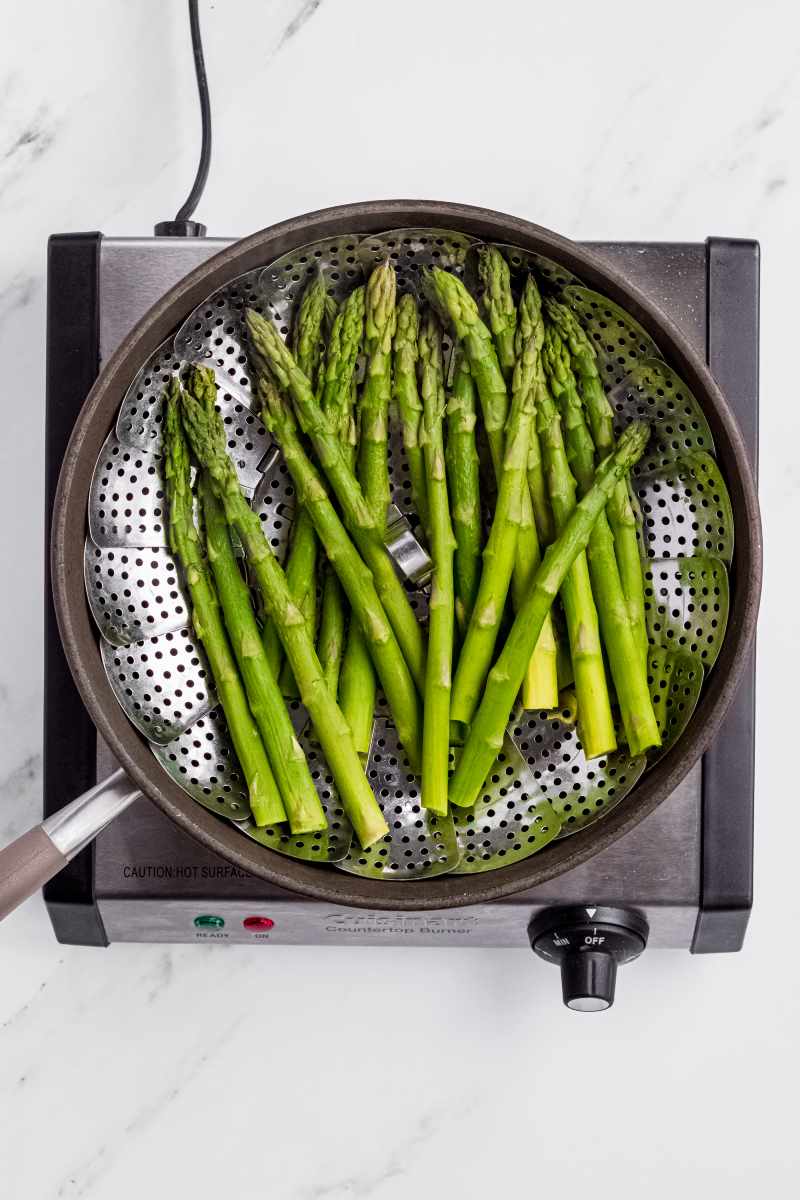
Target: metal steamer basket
[145, 685]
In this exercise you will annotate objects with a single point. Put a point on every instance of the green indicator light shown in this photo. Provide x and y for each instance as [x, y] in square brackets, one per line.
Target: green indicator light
[209, 921]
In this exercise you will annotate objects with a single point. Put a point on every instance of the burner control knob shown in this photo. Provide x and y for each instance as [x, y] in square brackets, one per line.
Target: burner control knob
[588, 943]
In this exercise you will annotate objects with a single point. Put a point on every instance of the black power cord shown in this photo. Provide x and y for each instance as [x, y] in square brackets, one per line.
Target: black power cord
[182, 225]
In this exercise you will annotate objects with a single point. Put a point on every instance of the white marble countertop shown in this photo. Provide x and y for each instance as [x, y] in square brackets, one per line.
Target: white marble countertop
[322, 1074]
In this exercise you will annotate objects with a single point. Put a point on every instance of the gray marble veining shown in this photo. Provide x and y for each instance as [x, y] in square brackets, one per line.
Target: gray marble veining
[332, 1074]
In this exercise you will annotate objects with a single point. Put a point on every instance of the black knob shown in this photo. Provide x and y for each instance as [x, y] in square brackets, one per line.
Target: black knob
[589, 944]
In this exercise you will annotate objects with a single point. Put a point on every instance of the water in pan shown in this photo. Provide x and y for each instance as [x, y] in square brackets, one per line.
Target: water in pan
[542, 786]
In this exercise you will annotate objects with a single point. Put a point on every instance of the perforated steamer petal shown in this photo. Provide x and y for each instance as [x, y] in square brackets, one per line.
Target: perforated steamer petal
[69, 531]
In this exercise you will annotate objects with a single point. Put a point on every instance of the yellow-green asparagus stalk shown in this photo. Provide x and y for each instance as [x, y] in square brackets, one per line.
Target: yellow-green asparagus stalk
[335, 462]
[379, 327]
[628, 670]
[354, 576]
[448, 294]
[621, 516]
[406, 396]
[208, 440]
[301, 564]
[441, 613]
[594, 708]
[463, 484]
[487, 365]
[498, 302]
[501, 547]
[265, 799]
[540, 684]
[337, 401]
[359, 690]
[485, 739]
[286, 755]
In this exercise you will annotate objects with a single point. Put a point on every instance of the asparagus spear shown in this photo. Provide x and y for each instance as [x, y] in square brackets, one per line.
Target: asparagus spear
[464, 488]
[487, 366]
[332, 629]
[265, 799]
[627, 669]
[308, 333]
[441, 613]
[354, 576]
[594, 708]
[334, 460]
[207, 437]
[301, 565]
[379, 327]
[343, 350]
[337, 388]
[499, 304]
[359, 690]
[357, 680]
[537, 486]
[485, 738]
[500, 550]
[448, 294]
[540, 684]
[406, 395]
[263, 694]
[621, 516]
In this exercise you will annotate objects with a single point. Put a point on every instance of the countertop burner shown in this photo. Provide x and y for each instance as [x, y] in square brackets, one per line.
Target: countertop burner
[686, 870]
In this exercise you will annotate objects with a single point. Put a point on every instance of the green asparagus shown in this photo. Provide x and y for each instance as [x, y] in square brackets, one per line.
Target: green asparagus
[359, 691]
[379, 327]
[354, 576]
[337, 392]
[594, 708]
[448, 294]
[627, 669]
[540, 684]
[286, 755]
[301, 564]
[441, 613]
[207, 437]
[265, 799]
[488, 365]
[498, 303]
[500, 551]
[343, 349]
[464, 488]
[334, 460]
[621, 516]
[485, 739]
[406, 396]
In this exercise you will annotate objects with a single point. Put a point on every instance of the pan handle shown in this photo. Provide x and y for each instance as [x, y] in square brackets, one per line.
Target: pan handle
[40, 853]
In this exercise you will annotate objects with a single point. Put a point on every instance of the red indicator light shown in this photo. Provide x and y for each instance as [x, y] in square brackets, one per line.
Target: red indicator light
[258, 923]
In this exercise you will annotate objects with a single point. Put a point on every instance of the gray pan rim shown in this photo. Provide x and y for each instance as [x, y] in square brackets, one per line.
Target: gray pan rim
[79, 634]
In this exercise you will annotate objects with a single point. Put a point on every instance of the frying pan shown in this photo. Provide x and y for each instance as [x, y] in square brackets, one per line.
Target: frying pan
[40, 853]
